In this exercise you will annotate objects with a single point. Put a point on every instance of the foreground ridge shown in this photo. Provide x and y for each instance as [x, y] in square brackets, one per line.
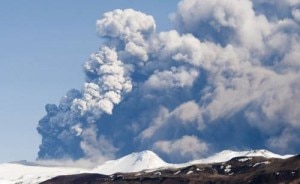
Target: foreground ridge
[244, 169]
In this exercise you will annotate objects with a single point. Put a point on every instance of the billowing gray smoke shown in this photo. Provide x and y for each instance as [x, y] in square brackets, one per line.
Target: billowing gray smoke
[228, 77]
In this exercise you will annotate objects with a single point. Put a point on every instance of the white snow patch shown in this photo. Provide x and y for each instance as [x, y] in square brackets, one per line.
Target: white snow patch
[177, 172]
[157, 173]
[227, 168]
[199, 169]
[244, 159]
[189, 172]
[259, 163]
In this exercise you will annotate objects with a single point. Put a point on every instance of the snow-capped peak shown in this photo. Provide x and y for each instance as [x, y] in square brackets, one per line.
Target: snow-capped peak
[266, 154]
[143, 156]
[226, 155]
[132, 163]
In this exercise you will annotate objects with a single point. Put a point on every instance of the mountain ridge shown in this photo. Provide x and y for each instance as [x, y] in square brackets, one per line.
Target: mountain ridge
[145, 161]
[238, 170]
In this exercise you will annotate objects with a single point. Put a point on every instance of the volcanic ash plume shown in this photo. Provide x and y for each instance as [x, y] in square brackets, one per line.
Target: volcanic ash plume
[228, 77]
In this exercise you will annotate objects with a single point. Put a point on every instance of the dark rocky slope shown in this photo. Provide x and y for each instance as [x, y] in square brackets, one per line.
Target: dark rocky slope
[237, 170]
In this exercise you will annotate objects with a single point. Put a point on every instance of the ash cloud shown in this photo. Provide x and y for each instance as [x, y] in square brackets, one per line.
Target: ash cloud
[227, 77]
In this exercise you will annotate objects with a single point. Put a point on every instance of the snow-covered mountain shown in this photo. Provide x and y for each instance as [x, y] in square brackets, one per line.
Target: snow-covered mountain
[226, 155]
[132, 163]
[14, 173]
[22, 172]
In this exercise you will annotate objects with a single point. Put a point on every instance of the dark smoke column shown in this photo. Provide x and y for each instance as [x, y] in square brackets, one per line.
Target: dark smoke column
[59, 132]
[69, 130]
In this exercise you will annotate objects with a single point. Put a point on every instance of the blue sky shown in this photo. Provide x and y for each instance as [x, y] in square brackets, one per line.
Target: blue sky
[43, 45]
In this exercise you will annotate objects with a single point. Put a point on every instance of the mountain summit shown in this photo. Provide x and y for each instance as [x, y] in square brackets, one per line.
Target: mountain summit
[132, 163]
